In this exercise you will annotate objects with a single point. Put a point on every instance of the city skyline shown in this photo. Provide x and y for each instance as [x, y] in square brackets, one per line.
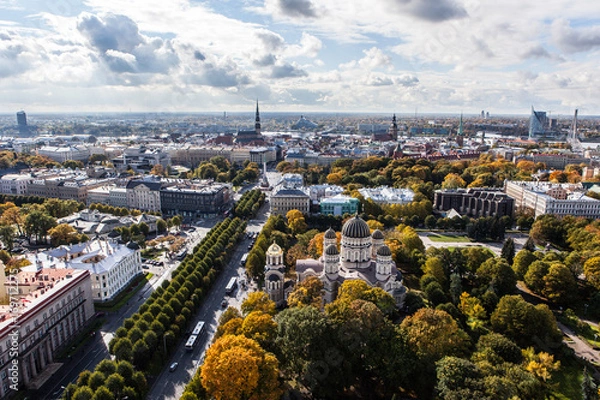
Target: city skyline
[397, 56]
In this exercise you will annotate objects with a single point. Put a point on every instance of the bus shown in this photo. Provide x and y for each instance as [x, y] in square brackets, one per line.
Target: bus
[181, 255]
[196, 333]
[244, 258]
[231, 285]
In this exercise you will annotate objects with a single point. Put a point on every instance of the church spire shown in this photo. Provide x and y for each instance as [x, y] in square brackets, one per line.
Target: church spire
[257, 120]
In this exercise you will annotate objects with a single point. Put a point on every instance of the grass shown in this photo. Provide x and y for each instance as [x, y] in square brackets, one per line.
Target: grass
[438, 237]
[126, 294]
[567, 380]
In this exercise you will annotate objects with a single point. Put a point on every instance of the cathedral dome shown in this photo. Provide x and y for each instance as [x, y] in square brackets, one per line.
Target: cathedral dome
[377, 234]
[384, 251]
[274, 250]
[331, 250]
[330, 234]
[356, 228]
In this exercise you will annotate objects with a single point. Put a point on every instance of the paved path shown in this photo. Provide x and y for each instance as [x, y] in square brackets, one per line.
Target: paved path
[496, 247]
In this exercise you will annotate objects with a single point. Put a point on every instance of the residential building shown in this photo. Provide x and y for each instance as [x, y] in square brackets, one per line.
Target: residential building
[387, 195]
[475, 202]
[144, 194]
[53, 307]
[141, 158]
[15, 184]
[283, 200]
[117, 197]
[196, 199]
[553, 198]
[112, 265]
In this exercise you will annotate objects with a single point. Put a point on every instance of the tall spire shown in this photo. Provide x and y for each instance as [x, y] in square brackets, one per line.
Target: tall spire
[257, 119]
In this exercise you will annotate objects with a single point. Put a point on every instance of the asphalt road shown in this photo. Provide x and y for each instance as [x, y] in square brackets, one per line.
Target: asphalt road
[169, 385]
[97, 350]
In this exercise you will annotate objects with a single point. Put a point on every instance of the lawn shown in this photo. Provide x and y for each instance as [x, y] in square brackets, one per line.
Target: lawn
[567, 380]
[438, 237]
[126, 294]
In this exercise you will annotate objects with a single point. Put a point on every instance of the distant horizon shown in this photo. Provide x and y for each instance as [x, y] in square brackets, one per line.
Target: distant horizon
[305, 113]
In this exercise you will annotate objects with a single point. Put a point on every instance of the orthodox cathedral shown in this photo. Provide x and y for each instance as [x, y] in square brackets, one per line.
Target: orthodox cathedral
[362, 255]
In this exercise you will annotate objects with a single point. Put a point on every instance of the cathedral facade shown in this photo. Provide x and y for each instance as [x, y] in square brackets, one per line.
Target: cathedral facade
[361, 255]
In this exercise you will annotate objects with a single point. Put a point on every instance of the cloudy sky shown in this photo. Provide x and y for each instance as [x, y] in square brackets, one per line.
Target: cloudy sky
[300, 55]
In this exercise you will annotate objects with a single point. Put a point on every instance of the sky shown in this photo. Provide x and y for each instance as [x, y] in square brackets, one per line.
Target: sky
[380, 56]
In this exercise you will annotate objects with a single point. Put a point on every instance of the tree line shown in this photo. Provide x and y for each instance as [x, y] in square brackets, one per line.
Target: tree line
[148, 336]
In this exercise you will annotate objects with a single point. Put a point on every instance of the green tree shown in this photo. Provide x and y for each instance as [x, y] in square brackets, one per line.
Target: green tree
[508, 250]
[458, 378]
[7, 236]
[521, 263]
[560, 286]
[498, 275]
[534, 278]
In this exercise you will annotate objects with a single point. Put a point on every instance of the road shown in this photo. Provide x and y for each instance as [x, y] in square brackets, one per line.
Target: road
[97, 350]
[170, 385]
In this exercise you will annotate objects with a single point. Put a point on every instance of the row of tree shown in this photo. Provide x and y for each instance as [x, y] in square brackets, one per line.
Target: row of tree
[145, 339]
[249, 204]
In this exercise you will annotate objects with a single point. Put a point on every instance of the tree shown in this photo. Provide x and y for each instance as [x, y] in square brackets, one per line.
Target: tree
[83, 393]
[260, 327]
[7, 236]
[258, 301]
[591, 269]
[589, 389]
[161, 225]
[158, 170]
[508, 250]
[534, 278]
[308, 293]
[560, 286]
[433, 266]
[453, 181]
[435, 334]
[521, 262]
[352, 290]
[522, 322]
[458, 378]
[37, 223]
[540, 364]
[498, 275]
[63, 234]
[251, 372]
[430, 222]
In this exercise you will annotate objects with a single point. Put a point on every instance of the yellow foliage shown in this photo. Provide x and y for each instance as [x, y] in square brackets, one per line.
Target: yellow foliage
[238, 368]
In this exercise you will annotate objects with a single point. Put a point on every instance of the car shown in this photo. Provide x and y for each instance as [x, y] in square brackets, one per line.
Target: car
[173, 366]
[224, 303]
[145, 266]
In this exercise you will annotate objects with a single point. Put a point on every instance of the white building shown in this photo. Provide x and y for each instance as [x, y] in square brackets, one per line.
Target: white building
[53, 307]
[553, 198]
[64, 153]
[15, 184]
[111, 265]
[387, 195]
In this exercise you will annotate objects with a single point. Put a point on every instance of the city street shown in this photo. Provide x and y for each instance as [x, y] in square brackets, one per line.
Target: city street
[170, 384]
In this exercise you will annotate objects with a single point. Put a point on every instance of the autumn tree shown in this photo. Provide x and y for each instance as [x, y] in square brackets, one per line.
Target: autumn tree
[296, 222]
[308, 293]
[435, 334]
[251, 373]
[591, 269]
[258, 301]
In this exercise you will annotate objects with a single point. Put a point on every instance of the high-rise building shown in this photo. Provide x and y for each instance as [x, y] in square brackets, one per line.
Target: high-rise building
[21, 119]
[538, 121]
